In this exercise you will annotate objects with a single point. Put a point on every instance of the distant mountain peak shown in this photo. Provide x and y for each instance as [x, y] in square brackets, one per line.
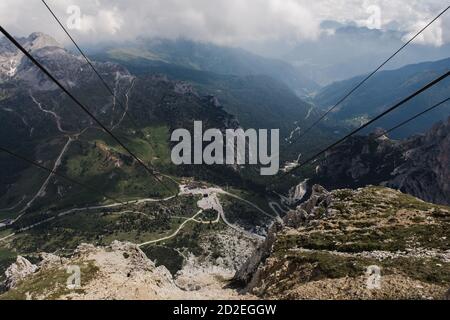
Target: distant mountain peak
[39, 40]
[66, 66]
[11, 57]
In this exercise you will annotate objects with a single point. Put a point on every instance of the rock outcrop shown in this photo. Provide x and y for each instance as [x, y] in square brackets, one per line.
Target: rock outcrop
[18, 271]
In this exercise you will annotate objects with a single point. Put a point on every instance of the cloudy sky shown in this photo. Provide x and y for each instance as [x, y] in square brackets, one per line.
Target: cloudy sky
[230, 22]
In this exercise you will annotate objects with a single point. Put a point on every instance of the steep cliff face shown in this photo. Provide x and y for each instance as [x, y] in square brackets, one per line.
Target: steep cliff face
[425, 172]
[370, 243]
[419, 166]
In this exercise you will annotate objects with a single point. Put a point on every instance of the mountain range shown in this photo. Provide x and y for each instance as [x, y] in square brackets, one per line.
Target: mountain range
[207, 57]
[40, 122]
[385, 89]
[212, 231]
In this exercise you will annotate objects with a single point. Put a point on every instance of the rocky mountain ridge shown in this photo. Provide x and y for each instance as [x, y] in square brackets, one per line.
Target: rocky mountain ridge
[419, 166]
[325, 248]
[386, 88]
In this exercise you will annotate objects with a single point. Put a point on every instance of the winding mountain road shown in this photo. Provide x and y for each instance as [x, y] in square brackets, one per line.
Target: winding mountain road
[209, 200]
[173, 234]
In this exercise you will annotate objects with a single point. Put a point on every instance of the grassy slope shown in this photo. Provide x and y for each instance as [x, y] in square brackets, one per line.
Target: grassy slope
[91, 162]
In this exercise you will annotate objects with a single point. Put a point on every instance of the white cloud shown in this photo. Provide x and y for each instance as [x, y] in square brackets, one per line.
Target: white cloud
[432, 35]
[232, 22]
[106, 22]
